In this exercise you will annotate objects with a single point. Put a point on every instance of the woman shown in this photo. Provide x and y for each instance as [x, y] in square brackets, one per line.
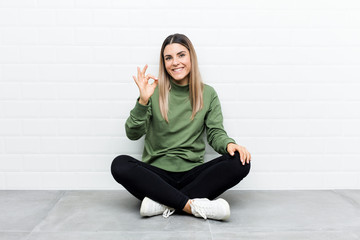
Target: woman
[174, 112]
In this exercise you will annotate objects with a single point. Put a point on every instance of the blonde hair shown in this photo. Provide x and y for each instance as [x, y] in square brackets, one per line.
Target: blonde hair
[196, 85]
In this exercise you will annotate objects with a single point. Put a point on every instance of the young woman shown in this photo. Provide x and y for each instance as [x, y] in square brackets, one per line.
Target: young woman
[173, 112]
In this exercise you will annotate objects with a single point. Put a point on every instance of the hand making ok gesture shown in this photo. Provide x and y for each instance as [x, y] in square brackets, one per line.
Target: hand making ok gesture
[145, 88]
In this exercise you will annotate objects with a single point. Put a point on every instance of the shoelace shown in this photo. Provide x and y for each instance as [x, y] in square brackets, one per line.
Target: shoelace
[168, 212]
[199, 209]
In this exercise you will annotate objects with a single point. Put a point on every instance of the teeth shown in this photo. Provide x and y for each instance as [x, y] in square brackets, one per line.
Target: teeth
[177, 69]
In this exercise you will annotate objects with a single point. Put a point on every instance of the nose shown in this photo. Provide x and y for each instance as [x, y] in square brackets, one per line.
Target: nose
[176, 61]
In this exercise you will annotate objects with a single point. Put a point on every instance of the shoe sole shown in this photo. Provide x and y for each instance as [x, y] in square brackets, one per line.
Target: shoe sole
[143, 209]
[227, 208]
[146, 207]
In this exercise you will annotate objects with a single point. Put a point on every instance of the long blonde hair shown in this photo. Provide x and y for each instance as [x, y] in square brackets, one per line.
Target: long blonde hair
[196, 85]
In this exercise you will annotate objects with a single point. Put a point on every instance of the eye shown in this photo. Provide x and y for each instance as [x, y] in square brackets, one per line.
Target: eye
[167, 58]
[182, 55]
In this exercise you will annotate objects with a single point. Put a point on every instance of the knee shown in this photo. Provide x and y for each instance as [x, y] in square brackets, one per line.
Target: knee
[119, 166]
[239, 170]
[117, 162]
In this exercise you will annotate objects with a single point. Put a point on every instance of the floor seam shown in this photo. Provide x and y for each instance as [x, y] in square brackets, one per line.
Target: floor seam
[56, 202]
[347, 198]
[211, 234]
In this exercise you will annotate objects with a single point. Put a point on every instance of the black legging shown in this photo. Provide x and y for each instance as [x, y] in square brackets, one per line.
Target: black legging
[174, 189]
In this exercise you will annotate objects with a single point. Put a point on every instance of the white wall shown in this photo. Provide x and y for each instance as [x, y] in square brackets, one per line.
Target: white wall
[287, 73]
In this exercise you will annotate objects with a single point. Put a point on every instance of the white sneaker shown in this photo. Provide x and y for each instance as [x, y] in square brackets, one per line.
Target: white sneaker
[151, 208]
[218, 209]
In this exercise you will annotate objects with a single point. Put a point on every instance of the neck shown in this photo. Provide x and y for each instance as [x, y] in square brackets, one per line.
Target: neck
[182, 82]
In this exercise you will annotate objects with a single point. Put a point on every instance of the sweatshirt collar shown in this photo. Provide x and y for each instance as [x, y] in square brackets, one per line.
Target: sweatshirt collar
[177, 87]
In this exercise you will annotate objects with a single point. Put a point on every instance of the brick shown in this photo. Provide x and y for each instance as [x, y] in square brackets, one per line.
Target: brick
[22, 145]
[56, 35]
[40, 163]
[74, 17]
[350, 128]
[10, 127]
[74, 55]
[11, 162]
[18, 3]
[73, 181]
[39, 127]
[59, 72]
[38, 91]
[19, 36]
[76, 163]
[19, 73]
[9, 91]
[9, 54]
[8, 17]
[58, 145]
[102, 145]
[113, 17]
[93, 36]
[55, 4]
[36, 17]
[23, 180]
[93, 3]
[37, 54]
[97, 109]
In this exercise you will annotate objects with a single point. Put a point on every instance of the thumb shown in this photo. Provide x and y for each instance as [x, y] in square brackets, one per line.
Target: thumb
[155, 83]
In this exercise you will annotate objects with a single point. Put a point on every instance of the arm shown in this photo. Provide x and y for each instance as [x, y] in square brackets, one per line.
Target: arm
[138, 121]
[216, 135]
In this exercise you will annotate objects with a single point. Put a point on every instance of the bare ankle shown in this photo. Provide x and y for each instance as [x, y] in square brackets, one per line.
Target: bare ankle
[187, 207]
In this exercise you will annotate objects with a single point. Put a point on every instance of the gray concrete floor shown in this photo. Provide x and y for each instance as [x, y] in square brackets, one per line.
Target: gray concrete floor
[55, 215]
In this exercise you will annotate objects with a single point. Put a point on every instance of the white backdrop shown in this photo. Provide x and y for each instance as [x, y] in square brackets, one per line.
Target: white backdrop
[287, 73]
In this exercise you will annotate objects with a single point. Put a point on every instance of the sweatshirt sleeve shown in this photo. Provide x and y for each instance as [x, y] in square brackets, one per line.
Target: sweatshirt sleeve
[216, 135]
[137, 123]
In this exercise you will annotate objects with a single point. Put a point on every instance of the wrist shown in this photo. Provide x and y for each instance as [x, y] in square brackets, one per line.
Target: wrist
[230, 143]
[143, 102]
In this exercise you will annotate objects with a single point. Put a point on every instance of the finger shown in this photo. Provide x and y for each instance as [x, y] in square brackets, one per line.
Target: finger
[247, 157]
[135, 81]
[144, 70]
[242, 158]
[138, 73]
[148, 77]
[151, 76]
[230, 150]
[244, 151]
[155, 83]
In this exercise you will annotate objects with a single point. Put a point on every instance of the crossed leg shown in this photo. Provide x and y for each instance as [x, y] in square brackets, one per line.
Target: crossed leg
[208, 180]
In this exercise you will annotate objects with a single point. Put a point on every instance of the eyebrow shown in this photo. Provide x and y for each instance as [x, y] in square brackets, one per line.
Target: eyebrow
[176, 54]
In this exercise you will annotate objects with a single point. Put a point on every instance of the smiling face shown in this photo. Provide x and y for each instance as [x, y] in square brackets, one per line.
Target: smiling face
[177, 62]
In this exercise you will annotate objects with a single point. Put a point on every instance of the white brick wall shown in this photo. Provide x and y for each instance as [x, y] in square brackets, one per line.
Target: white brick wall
[287, 73]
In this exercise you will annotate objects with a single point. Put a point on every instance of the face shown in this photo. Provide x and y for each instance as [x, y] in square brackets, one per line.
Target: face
[177, 62]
